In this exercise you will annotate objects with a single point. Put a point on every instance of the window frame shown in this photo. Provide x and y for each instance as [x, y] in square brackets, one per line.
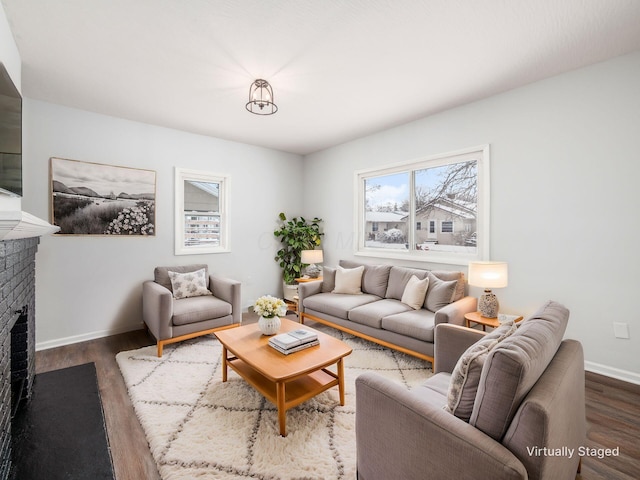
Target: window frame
[481, 154]
[180, 246]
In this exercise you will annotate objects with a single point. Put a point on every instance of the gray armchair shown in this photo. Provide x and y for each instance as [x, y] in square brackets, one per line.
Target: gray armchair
[530, 397]
[172, 320]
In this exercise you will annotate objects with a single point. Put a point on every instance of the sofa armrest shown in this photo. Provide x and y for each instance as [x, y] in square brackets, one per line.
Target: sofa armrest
[450, 342]
[454, 312]
[157, 309]
[229, 291]
[399, 434]
[307, 289]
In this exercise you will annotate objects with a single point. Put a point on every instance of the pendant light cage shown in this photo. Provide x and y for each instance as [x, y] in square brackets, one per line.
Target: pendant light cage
[261, 98]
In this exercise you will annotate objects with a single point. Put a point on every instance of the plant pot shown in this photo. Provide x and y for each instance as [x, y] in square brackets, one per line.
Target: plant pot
[289, 291]
[269, 326]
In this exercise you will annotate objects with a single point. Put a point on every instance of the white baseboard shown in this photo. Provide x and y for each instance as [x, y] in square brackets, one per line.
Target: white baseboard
[612, 372]
[617, 373]
[60, 342]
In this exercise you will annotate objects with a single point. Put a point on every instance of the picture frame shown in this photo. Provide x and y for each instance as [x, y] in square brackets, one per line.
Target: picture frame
[89, 198]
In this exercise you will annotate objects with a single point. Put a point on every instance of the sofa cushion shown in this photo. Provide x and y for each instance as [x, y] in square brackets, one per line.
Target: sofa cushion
[414, 292]
[448, 276]
[190, 284]
[513, 367]
[466, 374]
[374, 277]
[434, 390]
[398, 278]
[198, 309]
[413, 323]
[349, 280]
[372, 313]
[161, 274]
[440, 293]
[337, 304]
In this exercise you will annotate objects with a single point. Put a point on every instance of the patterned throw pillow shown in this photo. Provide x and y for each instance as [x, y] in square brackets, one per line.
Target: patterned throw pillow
[465, 377]
[191, 284]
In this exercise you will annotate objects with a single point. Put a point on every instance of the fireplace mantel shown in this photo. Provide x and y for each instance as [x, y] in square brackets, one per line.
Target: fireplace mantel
[18, 224]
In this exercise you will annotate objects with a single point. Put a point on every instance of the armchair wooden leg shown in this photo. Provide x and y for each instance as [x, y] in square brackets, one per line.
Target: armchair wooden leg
[160, 346]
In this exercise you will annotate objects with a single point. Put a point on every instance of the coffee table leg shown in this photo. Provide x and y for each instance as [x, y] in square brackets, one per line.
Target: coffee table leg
[224, 364]
[282, 413]
[341, 380]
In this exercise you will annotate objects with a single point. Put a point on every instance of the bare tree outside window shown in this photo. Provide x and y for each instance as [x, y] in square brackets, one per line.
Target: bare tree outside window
[449, 194]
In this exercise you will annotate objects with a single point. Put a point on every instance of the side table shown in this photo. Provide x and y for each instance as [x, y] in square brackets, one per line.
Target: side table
[477, 318]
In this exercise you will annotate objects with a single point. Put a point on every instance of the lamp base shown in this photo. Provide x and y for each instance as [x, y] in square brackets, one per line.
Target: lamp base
[488, 304]
[313, 271]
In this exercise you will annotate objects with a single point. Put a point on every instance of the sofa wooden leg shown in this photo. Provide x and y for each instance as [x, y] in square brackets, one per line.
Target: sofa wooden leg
[160, 346]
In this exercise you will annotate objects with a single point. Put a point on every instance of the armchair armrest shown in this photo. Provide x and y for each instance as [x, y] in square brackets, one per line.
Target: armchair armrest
[157, 309]
[450, 342]
[306, 290]
[229, 291]
[399, 434]
[454, 312]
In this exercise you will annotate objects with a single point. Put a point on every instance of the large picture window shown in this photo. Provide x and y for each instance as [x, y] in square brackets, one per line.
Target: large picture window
[201, 224]
[449, 193]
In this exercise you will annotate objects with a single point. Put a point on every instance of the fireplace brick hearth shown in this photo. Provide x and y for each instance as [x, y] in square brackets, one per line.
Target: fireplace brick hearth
[17, 332]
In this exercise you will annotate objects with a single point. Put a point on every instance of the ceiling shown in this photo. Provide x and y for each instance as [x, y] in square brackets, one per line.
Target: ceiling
[339, 69]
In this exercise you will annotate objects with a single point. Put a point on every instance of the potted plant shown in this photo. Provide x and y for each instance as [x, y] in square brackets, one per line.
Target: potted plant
[295, 235]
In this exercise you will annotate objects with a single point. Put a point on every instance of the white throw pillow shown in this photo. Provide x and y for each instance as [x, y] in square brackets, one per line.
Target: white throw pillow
[414, 292]
[465, 377]
[191, 284]
[349, 280]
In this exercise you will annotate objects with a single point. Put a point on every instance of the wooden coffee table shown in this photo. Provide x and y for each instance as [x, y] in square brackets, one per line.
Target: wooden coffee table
[284, 380]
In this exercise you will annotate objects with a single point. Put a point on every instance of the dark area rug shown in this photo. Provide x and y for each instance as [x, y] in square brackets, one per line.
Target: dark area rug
[59, 433]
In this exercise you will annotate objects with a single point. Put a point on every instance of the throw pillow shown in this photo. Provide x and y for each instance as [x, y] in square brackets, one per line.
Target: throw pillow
[440, 293]
[465, 377]
[414, 292]
[191, 284]
[349, 280]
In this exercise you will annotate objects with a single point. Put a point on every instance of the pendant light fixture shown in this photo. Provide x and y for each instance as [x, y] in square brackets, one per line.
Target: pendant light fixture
[261, 98]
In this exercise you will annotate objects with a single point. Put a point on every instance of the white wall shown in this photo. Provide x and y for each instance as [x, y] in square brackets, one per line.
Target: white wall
[89, 286]
[10, 57]
[565, 163]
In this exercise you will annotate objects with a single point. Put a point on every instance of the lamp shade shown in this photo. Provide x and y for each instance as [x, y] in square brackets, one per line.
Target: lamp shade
[488, 274]
[311, 256]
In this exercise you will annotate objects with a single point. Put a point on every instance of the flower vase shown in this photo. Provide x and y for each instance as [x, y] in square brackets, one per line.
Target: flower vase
[269, 326]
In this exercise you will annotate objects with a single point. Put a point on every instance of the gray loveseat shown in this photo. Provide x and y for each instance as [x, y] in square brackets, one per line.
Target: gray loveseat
[526, 415]
[378, 314]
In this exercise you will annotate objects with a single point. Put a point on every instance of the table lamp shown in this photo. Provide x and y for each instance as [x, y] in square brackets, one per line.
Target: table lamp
[488, 275]
[311, 257]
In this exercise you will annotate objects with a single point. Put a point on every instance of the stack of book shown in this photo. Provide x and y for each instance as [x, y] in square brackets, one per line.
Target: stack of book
[294, 341]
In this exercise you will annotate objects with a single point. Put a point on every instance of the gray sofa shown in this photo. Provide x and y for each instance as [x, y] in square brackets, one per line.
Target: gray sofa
[378, 314]
[527, 410]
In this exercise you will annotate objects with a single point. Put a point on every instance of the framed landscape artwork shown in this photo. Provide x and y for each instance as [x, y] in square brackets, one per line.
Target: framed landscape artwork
[97, 199]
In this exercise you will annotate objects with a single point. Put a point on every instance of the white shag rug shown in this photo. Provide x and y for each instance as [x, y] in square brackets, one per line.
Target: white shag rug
[200, 428]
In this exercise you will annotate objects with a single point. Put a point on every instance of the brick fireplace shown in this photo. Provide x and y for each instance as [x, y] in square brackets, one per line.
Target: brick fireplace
[17, 334]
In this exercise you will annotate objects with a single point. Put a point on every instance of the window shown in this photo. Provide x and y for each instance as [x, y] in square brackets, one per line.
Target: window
[446, 226]
[445, 198]
[201, 224]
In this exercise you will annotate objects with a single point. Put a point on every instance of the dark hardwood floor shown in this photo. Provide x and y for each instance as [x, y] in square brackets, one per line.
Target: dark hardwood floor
[613, 412]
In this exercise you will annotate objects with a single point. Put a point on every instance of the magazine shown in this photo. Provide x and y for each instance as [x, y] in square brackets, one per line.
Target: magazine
[294, 338]
[287, 351]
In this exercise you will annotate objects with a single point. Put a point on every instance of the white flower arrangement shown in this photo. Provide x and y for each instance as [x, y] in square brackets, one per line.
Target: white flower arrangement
[269, 307]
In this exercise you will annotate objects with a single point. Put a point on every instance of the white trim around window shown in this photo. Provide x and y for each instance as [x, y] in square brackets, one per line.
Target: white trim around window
[201, 212]
[450, 188]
